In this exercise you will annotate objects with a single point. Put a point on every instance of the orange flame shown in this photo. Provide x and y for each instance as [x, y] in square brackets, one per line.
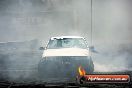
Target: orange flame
[82, 72]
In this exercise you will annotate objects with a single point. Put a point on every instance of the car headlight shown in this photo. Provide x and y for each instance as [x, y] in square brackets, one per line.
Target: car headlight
[43, 59]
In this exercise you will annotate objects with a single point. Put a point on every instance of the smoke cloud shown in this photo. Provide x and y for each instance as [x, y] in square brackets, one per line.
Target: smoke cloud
[26, 20]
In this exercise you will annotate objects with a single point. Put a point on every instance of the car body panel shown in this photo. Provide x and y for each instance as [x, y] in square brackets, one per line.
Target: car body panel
[66, 52]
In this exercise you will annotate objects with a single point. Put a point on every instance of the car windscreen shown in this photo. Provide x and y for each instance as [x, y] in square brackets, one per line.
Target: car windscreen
[67, 43]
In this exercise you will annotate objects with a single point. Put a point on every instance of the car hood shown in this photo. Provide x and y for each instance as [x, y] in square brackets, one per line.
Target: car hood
[66, 52]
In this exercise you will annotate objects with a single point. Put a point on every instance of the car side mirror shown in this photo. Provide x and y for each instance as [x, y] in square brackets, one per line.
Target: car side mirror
[42, 48]
[92, 49]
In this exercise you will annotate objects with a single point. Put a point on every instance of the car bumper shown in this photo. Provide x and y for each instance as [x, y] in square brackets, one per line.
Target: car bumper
[64, 66]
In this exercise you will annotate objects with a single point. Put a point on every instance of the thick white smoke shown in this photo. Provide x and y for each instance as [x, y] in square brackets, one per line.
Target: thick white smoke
[41, 19]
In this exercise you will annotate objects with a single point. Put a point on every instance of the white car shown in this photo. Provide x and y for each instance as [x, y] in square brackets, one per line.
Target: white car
[63, 55]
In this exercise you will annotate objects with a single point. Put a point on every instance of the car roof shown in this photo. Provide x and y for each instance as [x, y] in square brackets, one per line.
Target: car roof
[61, 37]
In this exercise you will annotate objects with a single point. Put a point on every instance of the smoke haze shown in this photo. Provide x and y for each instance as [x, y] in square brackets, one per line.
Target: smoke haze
[26, 20]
